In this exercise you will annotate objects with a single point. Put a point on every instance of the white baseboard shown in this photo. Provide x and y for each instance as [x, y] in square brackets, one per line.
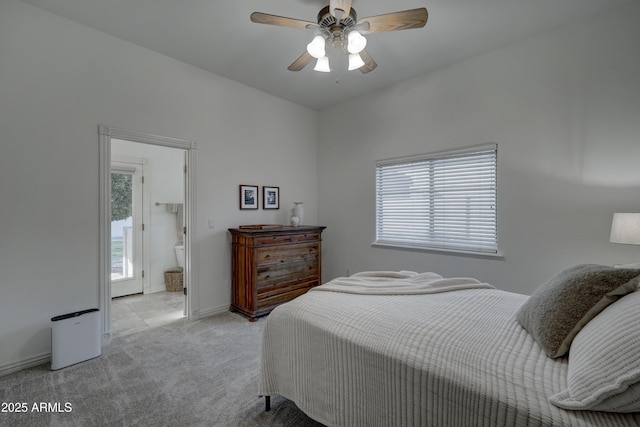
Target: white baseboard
[25, 364]
[199, 314]
[153, 289]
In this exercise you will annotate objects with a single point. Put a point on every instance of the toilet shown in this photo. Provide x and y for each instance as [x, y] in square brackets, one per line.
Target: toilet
[179, 255]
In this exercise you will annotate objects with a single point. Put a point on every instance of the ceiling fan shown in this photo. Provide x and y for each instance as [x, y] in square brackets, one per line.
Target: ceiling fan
[338, 27]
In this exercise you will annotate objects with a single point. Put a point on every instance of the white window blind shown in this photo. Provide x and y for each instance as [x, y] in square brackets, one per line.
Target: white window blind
[442, 201]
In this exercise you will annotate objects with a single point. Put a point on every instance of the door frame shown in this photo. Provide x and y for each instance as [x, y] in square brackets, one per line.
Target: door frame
[104, 271]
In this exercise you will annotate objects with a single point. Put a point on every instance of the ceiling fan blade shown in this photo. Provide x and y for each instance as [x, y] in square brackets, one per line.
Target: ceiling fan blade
[362, 27]
[265, 18]
[340, 8]
[414, 18]
[369, 63]
[301, 62]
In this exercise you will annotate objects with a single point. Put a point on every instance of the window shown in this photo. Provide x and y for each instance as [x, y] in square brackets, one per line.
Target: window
[445, 201]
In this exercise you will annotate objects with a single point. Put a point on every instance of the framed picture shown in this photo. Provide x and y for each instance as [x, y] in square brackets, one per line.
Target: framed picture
[248, 197]
[270, 197]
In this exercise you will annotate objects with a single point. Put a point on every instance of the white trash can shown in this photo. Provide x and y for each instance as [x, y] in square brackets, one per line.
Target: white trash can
[75, 337]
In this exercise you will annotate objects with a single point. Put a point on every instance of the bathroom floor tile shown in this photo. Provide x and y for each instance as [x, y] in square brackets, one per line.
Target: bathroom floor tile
[135, 313]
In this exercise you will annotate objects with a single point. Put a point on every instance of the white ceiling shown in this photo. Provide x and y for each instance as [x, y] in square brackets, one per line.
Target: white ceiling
[218, 36]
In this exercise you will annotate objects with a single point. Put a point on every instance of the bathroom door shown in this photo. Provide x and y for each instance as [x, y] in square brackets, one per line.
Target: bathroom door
[186, 240]
[126, 229]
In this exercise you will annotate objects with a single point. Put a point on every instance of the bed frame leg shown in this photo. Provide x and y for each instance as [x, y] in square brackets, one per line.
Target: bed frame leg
[267, 403]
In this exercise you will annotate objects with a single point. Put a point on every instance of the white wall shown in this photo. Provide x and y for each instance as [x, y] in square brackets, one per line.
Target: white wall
[564, 109]
[58, 82]
[164, 182]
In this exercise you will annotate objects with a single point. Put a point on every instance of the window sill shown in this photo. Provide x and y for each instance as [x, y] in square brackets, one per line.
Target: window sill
[473, 254]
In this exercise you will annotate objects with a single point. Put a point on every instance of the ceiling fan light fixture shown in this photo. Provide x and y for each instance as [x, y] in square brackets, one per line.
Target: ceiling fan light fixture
[355, 61]
[316, 47]
[339, 27]
[356, 42]
[322, 65]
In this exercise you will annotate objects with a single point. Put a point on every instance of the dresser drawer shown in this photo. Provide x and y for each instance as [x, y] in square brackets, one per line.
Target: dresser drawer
[282, 295]
[283, 273]
[286, 253]
[286, 238]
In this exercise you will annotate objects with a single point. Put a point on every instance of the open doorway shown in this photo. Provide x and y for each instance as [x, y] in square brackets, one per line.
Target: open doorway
[145, 224]
[147, 239]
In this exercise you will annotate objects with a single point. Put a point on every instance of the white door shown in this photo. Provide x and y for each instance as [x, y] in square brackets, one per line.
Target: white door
[185, 187]
[126, 229]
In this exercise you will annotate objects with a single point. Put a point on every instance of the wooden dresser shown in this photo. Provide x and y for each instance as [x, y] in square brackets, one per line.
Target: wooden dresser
[272, 266]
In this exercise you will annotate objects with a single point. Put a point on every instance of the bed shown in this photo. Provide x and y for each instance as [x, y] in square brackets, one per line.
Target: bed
[409, 349]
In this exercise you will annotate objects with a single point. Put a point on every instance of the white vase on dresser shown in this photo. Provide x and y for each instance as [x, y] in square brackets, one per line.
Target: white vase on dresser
[297, 212]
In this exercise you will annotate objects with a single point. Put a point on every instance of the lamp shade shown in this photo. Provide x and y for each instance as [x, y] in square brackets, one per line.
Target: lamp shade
[322, 65]
[356, 42]
[355, 61]
[625, 228]
[316, 47]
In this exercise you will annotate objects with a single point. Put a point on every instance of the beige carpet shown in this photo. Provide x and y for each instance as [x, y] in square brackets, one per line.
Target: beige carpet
[202, 373]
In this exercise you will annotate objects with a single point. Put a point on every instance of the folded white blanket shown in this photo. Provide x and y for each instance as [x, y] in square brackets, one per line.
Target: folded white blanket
[399, 283]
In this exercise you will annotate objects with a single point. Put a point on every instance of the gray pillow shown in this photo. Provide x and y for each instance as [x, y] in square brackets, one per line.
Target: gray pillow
[558, 309]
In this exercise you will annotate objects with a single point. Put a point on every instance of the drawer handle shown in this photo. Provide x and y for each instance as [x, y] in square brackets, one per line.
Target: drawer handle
[267, 256]
[267, 276]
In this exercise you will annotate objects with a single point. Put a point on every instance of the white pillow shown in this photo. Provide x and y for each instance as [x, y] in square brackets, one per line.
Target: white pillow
[604, 361]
